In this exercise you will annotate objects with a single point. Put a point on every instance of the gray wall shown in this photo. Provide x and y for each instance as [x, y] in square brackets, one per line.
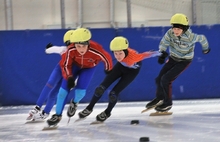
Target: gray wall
[45, 14]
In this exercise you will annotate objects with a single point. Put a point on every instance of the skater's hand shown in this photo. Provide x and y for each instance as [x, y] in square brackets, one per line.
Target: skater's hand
[206, 51]
[162, 57]
[49, 45]
[107, 71]
[70, 83]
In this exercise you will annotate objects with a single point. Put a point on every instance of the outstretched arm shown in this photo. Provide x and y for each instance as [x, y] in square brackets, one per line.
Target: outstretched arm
[56, 49]
[204, 42]
[150, 54]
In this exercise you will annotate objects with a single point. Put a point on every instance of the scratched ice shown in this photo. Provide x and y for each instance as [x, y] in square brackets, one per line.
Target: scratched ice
[192, 121]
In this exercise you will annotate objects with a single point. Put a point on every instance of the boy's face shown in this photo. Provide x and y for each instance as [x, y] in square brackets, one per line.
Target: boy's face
[119, 55]
[177, 31]
[82, 49]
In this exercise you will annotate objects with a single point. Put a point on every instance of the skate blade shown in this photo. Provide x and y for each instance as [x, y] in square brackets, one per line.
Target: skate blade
[96, 122]
[161, 113]
[30, 117]
[68, 121]
[147, 109]
[79, 119]
[49, 128]
[34, 121]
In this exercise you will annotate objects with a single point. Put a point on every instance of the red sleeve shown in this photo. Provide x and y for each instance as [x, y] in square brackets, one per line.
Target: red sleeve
[107, 60]
[105, 56]
[67, 62]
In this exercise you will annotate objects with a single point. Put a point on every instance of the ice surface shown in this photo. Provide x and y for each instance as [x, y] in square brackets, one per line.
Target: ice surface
[192, 121]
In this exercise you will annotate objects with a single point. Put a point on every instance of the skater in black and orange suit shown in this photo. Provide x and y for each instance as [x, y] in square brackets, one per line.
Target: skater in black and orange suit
[126, 70]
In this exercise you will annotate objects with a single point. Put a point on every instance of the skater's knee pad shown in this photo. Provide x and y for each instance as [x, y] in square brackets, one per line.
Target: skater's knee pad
[79, 94]
[113, 97]
[99, 91]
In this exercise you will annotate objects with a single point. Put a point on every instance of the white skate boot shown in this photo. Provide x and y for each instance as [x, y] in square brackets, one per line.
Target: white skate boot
[40, 116]
[32, 112]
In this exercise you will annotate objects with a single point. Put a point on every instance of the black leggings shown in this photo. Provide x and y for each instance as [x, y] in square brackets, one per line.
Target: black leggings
[126, 75]
[170, 71]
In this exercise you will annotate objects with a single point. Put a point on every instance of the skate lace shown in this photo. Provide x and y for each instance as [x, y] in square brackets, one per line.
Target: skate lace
[34, 111]
[86, 112]
[73, 107]
[102, 116]
[54, 118]
[43, 116]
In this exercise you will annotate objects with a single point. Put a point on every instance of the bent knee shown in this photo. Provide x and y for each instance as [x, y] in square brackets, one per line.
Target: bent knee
[164, 80]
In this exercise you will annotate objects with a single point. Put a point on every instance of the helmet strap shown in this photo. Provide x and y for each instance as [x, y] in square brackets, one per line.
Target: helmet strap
[183, 27]
[67, 43]
[126, 52]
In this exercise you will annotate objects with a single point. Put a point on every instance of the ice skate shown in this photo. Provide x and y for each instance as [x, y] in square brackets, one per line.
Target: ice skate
[163, 107]
[49, 128]
[37, 118]
[54, 120]
[40, 116]
[155, 102]
[29, 118]
[32, 112]
[100, 118]
[147, 109]
[71, 109]
[151, 105]
[160, 113]
[83, 114]
[162, 110]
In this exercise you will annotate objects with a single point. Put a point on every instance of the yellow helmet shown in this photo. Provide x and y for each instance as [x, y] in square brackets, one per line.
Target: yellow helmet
[66, 37]
[119, 43]
[179, 18]
[80, 35]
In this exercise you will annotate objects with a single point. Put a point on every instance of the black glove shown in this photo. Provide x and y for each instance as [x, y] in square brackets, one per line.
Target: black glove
[162, 57]
[206, 51]
[70, 83]
[49, 45]
[107, 72]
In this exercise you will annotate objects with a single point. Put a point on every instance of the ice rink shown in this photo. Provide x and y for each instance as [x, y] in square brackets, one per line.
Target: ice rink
[192, 121]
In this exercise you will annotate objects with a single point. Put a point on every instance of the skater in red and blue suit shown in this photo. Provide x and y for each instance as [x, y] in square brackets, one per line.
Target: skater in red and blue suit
[49, 92]
[80, 62]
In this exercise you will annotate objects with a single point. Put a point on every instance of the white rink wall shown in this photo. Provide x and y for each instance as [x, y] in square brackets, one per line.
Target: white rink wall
[45, 14]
